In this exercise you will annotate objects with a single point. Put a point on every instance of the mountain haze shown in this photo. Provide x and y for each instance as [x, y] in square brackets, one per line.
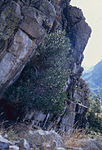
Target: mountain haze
[94, 78]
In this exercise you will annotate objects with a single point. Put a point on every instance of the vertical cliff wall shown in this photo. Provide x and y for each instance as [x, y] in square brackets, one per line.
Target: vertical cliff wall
[54, 34]
[24, 24]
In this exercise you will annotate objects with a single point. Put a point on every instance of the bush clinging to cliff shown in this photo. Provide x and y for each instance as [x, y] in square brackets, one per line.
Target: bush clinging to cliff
[43, 79]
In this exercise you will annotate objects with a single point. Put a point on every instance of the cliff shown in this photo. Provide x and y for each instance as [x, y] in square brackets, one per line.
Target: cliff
[52, 35]
[41, 51]
[23, 25]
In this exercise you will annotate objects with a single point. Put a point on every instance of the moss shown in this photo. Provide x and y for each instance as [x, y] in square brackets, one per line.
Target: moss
[40, 85]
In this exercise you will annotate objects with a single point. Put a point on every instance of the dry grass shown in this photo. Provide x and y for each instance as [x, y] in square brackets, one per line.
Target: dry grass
[2, 129]
[18, 130]
[74, 140]
[13, 132]
[99, 115]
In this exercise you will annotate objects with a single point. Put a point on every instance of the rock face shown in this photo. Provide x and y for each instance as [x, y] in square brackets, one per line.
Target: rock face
[20, 34]
[23, 27]
[30, 27]
[79, 33]
[75, 115]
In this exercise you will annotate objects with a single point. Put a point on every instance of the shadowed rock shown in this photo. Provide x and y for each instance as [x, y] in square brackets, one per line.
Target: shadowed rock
[20, 35]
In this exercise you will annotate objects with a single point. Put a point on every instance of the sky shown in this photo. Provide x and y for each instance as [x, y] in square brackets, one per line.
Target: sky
[92, 10]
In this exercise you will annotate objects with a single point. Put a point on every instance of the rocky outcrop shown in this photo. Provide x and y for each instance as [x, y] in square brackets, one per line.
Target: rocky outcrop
[78, 30]
[23, 27]
[28, 21]
[32, 140]
[74, 115]
[46, 140]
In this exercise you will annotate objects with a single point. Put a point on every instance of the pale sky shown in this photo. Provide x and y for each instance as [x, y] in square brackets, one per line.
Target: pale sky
[92, 10]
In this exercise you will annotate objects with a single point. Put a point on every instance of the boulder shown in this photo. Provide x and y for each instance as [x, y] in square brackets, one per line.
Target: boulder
[15, 58]
[44, 139]
[31, 26]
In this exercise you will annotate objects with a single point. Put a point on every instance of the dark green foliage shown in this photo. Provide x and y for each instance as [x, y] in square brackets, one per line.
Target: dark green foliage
[41, 83]
[95, 114]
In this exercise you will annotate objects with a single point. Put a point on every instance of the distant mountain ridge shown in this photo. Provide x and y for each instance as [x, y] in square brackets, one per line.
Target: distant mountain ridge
[94, 78]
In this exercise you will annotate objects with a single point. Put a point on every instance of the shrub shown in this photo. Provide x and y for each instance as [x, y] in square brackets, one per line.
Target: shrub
[95, 114]
[41, 83]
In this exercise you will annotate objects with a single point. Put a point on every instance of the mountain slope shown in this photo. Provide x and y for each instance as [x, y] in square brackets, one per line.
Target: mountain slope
[94, 78]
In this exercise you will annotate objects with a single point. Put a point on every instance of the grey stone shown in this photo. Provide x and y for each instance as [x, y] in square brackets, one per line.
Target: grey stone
[44, 138]
[91, 144]
[9, 20]
[4, 143]
[4, 146]
[4, 140]
[30, 24]
[68, 118]
[75, 148]
[36, 117]
[40, 117]
[26, 144]
[13, 147]
[20, 34]
[21, 49]
[60, 148]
